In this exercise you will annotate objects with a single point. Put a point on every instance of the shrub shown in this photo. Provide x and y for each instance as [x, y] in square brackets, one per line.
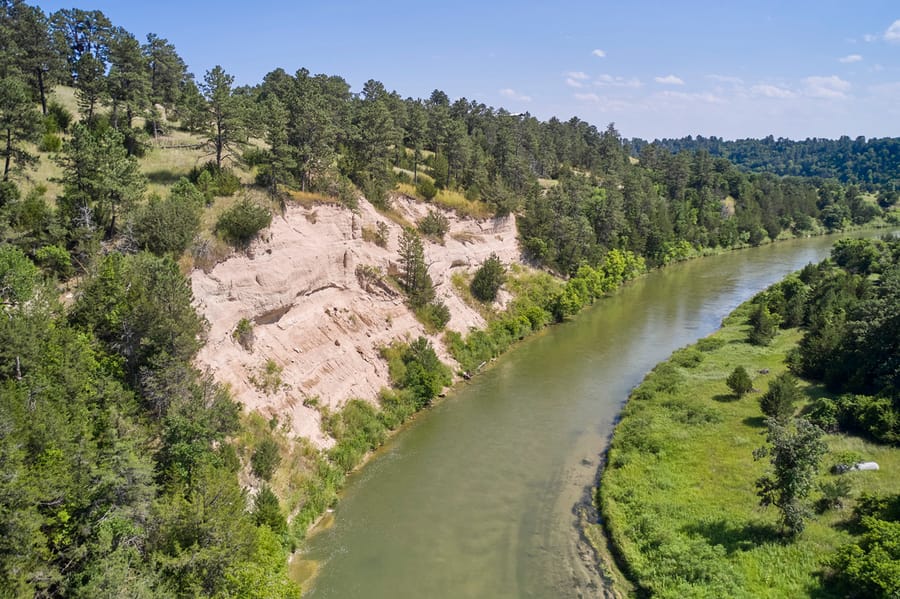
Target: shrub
[265, 459]
[434, 225]
[269, 379]
[168, 226]
[764, 325]
[778, 402]
[488, 279]
[241, 223]
[218, 181]
[739, 381]
[56, 259]
[243, 334]
[426, 189]
[434, 315]
[60, 117]
[50, 142]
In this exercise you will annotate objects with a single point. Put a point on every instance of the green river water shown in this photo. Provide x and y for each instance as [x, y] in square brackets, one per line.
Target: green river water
[479, 497]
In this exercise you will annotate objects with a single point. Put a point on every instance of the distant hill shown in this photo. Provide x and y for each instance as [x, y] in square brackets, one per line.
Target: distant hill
[872, 163]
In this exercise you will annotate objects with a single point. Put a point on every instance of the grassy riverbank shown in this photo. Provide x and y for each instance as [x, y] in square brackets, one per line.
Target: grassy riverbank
[678, 496]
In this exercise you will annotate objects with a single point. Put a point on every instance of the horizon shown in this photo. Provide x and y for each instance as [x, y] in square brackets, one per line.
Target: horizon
[655, 70]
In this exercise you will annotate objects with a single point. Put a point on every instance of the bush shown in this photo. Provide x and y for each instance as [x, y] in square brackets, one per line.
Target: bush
[434, 225]
[61, 118]
[56, 259]
[778, 402]
[764, 325]
[241, 223]
[739, 381]
[50, 142]
[168, 226]
[426, 189]
[434, 315]
[217, 181]
[488, 279]
[243, 334]
[265, 459]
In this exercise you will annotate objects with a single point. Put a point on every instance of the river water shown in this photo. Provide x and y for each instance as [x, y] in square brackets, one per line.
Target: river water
[478, 498]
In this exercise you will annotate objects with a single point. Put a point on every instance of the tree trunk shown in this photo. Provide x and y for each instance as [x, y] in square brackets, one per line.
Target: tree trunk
[8, 154]
[40, 78]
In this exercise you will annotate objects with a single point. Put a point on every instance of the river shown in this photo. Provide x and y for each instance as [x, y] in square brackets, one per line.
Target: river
[478, 498]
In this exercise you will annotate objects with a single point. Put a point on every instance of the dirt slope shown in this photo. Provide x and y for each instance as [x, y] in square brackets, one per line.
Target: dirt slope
[313, 316]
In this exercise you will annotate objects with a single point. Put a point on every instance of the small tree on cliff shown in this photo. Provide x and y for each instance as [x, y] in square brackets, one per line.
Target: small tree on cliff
[414, 277]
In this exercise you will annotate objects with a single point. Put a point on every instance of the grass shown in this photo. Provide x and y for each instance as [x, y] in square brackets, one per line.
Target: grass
[678, 495]
[451, 200]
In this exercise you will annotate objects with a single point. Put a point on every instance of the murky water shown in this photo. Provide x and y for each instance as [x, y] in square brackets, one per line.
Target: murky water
[477, 498]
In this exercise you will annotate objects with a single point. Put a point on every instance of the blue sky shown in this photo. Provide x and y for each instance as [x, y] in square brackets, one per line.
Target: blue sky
[789, 68]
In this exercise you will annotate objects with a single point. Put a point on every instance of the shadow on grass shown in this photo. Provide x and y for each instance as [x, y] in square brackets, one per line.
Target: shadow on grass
[726, 397]
[163, 177]
[755, 421]
[735, 537]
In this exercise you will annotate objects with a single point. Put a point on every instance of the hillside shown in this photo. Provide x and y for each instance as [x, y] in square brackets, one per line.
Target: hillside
[320, 321]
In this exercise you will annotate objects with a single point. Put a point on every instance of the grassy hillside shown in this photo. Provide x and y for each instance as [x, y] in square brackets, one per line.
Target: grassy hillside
[678, 496]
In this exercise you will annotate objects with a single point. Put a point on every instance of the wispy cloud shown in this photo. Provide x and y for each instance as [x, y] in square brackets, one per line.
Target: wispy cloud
[587, 97]
[576, 79]
[772, 91]
[831, 88]
[514, 95]
[611, 81]
[599, 53]
[870, 38]
[893, 33]
[850, 58]
[726, 79]
[669, 80]
[707, 97]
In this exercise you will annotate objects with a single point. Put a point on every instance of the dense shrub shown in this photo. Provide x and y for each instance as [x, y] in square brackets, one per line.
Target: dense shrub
[168, 226]
[434, 225]
[265, 458]
[241, 223]
[488, 279]
[214, 180]
[739, 381]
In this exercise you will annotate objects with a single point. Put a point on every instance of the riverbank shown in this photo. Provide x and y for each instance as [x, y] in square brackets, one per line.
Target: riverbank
[678, 497]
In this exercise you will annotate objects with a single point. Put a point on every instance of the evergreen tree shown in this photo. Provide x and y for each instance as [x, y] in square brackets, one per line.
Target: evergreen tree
[20, 125]
[414, 277]
[225, 120]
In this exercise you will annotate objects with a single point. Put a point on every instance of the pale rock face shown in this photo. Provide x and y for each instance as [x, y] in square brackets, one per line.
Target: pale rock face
[312, 315]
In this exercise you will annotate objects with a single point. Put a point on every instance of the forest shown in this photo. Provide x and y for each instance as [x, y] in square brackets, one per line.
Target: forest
[120, 469]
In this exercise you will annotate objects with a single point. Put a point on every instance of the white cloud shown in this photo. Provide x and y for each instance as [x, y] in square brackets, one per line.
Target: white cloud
[587, 97]
[514, 95]
[611, 81]
[772, 91]
[669, 80]
[574, 83]
[893, 32]
[698, 97]
[870, 38]
[580, 75]
[832, 88]
[599, 53]
[850, 58]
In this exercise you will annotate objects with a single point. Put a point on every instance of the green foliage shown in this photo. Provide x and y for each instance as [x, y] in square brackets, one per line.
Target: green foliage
[739, 381]
[213, 180]
[434, 315]
[414, 277]
[434, 225]
[20, 125]
[267, 511]
[488, 279]
[763, 325]
[243, 334]
[168, 226]
[241, 223]
[56, 259]
[265, 459]
[140, 307]
[268, 378]
[416, 368]
[18, 276]
[871, 564]
[783, 393]
[426, 189]
[795, 450]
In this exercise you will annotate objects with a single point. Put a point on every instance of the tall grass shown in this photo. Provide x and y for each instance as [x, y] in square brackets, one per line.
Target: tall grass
[678, 495]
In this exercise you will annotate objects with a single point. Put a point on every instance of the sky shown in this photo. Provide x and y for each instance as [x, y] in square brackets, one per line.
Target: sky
[662, 68]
